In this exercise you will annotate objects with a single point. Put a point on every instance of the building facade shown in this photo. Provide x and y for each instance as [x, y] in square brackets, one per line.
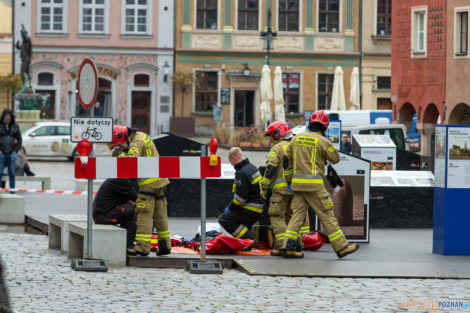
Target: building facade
[5, 46]
[131, 42]
[457, 106]
[418, 65]
[376, 54]
[220, 43]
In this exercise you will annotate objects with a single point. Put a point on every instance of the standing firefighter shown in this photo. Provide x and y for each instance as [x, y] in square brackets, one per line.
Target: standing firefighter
[276, 179]
[246, 207]
[151, 202]
[307, 154]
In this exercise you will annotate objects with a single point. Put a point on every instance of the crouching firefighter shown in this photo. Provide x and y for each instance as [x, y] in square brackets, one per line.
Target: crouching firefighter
[246, 207]
[307, 154]
[151, 202]
[276, 179]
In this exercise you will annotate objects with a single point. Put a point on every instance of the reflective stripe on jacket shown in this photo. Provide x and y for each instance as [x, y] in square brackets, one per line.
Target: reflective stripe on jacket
[275, 157]
[307, 153]
[141, 145]
[246, 188]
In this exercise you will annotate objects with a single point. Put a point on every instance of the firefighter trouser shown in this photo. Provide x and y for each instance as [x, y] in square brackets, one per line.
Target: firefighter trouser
[280, 214]
[238, 222]
[321, 203]
[151, 205]
[123, 215]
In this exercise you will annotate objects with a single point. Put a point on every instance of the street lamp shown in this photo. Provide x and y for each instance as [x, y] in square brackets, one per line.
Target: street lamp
[166, 71]
[246, 70]
[268, 36]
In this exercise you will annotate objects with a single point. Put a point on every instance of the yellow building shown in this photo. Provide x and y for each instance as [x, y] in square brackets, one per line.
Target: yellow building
[5, 45]
[216, 40]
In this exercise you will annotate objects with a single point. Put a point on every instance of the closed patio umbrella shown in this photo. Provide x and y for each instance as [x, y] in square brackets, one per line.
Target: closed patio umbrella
[354, 95]
[338, 102]
[279, 112]
[266, 95]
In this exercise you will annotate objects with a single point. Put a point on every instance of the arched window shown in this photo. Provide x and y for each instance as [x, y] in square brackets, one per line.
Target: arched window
[45, 79]
[141, 80]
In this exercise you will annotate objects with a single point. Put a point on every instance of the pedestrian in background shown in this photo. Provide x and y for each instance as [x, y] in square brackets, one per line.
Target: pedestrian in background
[10, 144]
[346, 146]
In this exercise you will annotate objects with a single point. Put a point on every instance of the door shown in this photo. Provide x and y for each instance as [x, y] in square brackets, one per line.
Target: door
[141, 110]
[384, 104]
[244, 108]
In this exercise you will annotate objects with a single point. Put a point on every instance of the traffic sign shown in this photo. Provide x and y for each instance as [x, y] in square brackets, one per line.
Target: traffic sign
[87, 83]
[93, 129]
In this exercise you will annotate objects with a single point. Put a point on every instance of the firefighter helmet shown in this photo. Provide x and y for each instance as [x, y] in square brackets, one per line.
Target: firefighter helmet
[278, 130]
[120, 135]
[320, 117]
[314, 241]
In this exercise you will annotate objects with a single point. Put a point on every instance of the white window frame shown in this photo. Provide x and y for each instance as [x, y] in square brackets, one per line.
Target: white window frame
[340, 17]
[317, 75]
[260, 16]
[301, 90]
[219, 86]
[54, 87]
[415, 51]
[219, 27]
[148, 7]
[94, 6]
[457, 24]
[64, 7]
[301, 12]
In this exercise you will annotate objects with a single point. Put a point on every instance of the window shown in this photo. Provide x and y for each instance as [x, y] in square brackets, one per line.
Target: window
[290, 87]
[63, 130]
[383, 82]
[51, 15]
[141, 80]
[384, 17]
[329, 16]
[248, 14]
[419, 32]
[136, 14]
[45, 79]
[93, 16]
[206, 14]
[206, 91]
[325, 89]
[461, 30]
[45, 131]
[289, 15]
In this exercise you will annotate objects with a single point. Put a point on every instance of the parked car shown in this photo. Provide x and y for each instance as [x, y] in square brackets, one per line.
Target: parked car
[49, 139]
[52, 139]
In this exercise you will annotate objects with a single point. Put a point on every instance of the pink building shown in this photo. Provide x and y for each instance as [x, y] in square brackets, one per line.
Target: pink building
[131, 42]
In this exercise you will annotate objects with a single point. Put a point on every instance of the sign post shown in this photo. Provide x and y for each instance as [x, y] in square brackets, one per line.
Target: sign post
[87, 92]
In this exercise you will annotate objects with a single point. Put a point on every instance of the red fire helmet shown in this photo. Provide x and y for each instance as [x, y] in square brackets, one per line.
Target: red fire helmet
[320, 117]
[277, 130]
[314, 241]
[120, 135]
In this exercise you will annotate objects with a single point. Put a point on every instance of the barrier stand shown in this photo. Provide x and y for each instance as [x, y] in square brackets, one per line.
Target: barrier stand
[203, 266]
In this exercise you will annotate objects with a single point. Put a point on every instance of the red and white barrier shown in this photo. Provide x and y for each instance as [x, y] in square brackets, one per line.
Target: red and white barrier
[147, 167]
[54, 192]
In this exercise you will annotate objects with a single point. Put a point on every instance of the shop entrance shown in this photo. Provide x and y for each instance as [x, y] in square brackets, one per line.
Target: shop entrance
[141, 110]
[244, 108]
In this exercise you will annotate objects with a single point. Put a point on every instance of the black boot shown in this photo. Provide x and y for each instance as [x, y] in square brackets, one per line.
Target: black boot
[163, 248]
[27, 170]
[291, 250]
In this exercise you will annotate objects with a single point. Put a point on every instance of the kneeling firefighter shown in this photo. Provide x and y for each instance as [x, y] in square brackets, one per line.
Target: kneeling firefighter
[151, 201]
[307, 154]
[246, 207]
[276, 179]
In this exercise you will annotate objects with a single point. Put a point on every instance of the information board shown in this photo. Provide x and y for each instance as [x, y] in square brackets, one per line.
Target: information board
[458, 165]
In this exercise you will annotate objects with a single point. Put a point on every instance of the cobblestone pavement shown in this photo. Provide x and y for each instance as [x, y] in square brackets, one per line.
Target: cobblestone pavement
[40, 280]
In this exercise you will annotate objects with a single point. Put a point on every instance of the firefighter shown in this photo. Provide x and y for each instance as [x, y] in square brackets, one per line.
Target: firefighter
[246, 207]
[151, 201]
[114, 204]
[275, 179]
[307, 154]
